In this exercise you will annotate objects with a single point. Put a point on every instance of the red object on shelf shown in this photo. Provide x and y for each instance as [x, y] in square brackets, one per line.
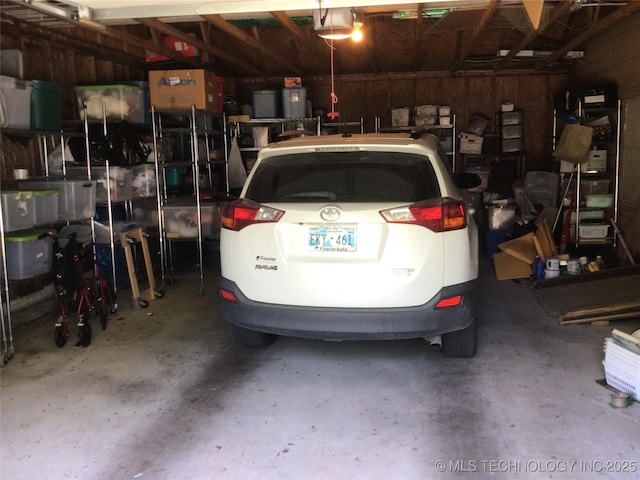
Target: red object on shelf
[172, 43]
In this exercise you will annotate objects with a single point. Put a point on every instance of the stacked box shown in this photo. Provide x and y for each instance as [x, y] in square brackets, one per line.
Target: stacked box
[180, 89]
[471, 144]
[511, 131]
[15, 107]
[400, 117]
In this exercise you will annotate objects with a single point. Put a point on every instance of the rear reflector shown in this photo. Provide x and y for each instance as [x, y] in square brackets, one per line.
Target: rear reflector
[449, 302]
[227, 295]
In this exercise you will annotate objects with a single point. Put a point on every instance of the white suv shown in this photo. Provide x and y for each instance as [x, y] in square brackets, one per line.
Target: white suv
[351, 237]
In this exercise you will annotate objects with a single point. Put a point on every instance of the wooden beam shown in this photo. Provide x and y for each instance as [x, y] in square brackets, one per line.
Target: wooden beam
[14, 27]
[286, 22]
[241, 35]
[558, 12]
[477, 31]
[605, 23]
[417, 39]
[156, 24]
[122, 36]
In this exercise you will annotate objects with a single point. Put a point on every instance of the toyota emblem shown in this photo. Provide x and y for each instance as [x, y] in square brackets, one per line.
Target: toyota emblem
[330, 214]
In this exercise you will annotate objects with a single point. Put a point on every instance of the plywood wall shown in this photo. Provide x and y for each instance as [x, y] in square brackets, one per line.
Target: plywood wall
[371, 96]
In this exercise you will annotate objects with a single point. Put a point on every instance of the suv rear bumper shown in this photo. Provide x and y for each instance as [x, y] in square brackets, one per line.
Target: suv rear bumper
[351, 323]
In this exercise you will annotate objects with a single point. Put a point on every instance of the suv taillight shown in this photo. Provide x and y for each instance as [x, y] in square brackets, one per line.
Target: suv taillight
[438, 215]
[242, 213]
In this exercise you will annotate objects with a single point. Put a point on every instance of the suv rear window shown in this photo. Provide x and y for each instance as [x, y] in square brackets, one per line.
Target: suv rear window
[355, 176]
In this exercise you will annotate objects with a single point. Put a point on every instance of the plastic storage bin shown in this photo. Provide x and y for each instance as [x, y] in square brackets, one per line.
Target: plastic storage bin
[11, 63]
[181, 220]
[45, 206]
[121, 102]
[145, 212]
[119, 186]
[622, 368]
[15, 103]
[76, 198]
[294, 102]
[599, 201]
[594, 187]
[512, 118]
[595, 230]
[541, 187]
[18, 210]
[46, 105]
[28, 255]
[265, 103]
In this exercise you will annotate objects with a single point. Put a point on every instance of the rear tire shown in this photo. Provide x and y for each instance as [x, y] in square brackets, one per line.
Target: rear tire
[252, 338]
[461, 344]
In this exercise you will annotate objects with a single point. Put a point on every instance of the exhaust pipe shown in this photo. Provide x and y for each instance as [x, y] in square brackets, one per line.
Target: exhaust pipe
[435, 342]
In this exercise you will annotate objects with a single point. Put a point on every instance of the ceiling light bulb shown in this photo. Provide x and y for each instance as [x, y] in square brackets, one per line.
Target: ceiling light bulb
[356, 35]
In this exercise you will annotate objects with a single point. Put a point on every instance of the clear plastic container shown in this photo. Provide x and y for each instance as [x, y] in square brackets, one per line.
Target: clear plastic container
[29, 253]
[18, 210]
[128, 101]
[76, 198]
[181, 220]
[46, 206]
[15, 103]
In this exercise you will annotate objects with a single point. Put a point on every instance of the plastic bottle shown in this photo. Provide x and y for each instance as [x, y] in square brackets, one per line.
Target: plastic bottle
[538, 269]
[600, 262]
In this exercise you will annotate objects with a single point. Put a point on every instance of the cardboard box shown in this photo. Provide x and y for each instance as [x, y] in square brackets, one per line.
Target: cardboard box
[176, 89]
[470, 143]
[510, 268]
[400, 117]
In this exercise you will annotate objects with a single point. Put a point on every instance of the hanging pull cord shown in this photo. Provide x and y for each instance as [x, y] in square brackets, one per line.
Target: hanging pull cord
[334, 98]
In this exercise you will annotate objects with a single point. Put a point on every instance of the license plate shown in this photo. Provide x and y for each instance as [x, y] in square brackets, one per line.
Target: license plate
[332, 238]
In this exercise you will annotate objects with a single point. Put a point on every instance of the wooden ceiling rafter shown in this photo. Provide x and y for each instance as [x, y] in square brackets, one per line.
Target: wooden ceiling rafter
[369, 42]
[15, 27]
[165, 28]
[244, 37]
[122, 36]
[286, 22]
[560, 11]
[417, 38]
[597, 28]
[488, 14]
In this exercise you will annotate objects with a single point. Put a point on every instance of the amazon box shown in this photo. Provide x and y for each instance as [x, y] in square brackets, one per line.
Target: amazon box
[182, 89]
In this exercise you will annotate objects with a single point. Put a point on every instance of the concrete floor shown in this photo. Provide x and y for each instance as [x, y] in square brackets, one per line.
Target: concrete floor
[166, 393]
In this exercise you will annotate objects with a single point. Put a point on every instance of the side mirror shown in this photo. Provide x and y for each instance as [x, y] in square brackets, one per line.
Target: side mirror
[467, 180]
